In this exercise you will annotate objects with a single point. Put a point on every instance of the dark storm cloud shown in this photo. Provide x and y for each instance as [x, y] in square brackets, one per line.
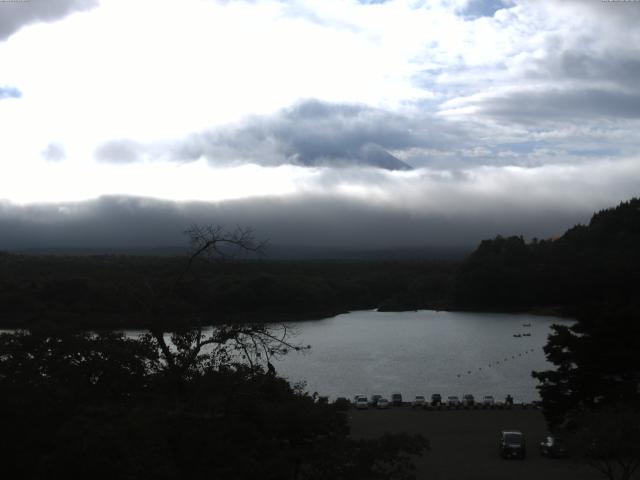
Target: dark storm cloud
[616, 68]
[16, 14]
[561, 104]
[54, 152]
[569, 86]
[120, 222]
[317, 133]
[378, 209]
[118, 151]
[9, 92]
[623, 11]
[576, 86]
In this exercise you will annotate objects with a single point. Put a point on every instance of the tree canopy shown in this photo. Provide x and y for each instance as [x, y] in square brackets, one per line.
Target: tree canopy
[586, 267]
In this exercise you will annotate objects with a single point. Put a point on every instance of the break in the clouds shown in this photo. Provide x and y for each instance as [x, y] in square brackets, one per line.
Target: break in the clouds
[9, 92]
[384, 109]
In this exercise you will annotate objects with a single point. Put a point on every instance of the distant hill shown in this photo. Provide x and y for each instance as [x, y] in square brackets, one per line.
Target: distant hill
[589, 265]
[90, 251]
[274, 252]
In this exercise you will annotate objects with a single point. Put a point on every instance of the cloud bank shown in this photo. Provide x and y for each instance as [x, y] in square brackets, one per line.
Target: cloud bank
[355, 208]
[324, 122]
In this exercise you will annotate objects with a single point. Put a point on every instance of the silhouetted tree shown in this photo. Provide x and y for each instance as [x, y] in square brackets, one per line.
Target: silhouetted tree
[586, 267]
[177, 402]
[596, 364]
[184, 347]
[593, 393]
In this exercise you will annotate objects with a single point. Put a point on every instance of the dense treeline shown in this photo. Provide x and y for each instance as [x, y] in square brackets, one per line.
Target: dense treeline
[110, 291]
[586, 267]
[589, 266]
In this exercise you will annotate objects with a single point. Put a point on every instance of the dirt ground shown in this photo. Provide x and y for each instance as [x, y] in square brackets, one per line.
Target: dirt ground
[464, 443]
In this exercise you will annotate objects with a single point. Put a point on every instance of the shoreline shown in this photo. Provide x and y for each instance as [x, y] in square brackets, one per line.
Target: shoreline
[102, 322]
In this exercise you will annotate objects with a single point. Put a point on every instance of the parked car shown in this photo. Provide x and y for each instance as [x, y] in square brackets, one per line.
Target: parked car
[396, 399]
[453, 401]
[436, 399]
[554, 447]
[341, 403]
[374, 400]
[512, 444]
[419, 401]
[383, 403]
[488, 401]
[357, 397]
[468, 401]
[362, 403]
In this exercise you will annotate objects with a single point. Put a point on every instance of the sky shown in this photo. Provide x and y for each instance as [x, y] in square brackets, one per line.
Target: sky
[364, 124]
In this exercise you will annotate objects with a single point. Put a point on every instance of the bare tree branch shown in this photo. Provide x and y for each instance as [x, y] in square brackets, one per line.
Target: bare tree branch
[191, 348]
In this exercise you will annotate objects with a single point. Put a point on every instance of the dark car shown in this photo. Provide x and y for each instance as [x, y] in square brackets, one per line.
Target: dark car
[512, 444]
[553, 447]
[436, 399]
[468, 401]
[341, 403]
[396, 399]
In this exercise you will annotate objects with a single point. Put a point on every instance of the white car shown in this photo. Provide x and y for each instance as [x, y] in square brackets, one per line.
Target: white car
[357, 397]
[453, 401]
[419, 401]
[362, 403]
[383, 403]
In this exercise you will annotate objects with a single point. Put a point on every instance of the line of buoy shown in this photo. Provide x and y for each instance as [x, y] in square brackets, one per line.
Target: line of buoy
[497, 362]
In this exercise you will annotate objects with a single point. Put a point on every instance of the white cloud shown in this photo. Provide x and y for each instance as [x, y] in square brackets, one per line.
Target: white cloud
[477, 101]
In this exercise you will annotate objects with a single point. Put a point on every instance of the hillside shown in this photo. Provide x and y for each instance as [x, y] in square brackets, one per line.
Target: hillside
[590, 265]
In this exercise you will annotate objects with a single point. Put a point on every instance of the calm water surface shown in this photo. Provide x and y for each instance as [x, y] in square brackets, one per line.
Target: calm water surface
[423, 352]
[419, 353]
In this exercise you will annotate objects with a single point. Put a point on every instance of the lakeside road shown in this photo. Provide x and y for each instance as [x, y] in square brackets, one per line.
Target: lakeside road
[464, 443]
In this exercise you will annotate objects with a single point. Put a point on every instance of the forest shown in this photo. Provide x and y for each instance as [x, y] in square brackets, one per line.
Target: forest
[588, 266]
[98, 292]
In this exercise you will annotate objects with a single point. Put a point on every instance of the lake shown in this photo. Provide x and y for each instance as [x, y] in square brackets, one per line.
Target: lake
[419, 353]
[422, 352]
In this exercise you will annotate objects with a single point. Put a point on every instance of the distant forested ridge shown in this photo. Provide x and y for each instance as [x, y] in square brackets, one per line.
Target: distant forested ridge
[111, 291]
[590, 266]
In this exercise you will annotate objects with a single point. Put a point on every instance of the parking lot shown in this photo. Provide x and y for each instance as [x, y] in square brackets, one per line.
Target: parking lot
[464, 443]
